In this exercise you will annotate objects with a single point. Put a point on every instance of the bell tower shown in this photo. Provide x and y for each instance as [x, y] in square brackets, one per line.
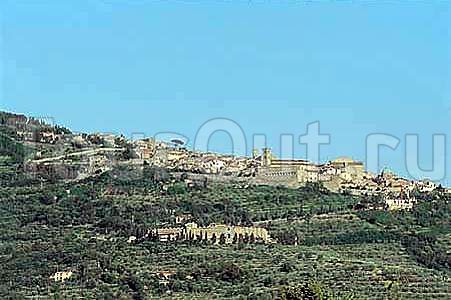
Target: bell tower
[266, 157]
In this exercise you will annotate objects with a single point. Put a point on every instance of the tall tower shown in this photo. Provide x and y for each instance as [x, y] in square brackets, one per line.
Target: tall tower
[266, 157]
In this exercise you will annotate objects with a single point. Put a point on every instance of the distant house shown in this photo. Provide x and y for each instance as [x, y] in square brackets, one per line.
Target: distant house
[61, 276]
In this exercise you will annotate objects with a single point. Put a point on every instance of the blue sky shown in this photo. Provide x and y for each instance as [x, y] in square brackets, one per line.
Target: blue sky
[358, 67]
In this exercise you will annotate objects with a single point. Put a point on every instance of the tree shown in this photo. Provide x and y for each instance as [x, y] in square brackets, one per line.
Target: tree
[222, 239]
[235, 238]
[231, 272]
[310, 291]
[252, 238]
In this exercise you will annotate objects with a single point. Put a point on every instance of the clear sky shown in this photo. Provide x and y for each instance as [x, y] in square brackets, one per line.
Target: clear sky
[358, 67]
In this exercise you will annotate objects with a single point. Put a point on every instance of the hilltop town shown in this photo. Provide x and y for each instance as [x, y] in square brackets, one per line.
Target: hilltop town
[56, 152]
[239, 150]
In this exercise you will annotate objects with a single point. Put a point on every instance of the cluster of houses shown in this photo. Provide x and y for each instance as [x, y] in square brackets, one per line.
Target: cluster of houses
[342, 174]
[80, 155]
[398, 192]
[181, 159]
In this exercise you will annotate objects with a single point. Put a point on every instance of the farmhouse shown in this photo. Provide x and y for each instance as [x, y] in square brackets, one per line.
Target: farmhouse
[61, 276]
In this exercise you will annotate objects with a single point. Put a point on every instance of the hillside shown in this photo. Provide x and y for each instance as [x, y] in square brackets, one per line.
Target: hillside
[98, 216]
[323, 242]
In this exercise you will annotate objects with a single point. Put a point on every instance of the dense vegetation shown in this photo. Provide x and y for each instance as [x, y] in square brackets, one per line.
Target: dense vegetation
[327, 248]
[8, 146]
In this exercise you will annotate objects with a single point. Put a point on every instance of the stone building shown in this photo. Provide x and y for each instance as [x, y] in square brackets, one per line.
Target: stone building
[144, 149]
[291, 171]
[402, 200]
[228, 233]
[275, 169]
[168, 234]
[348, 168]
